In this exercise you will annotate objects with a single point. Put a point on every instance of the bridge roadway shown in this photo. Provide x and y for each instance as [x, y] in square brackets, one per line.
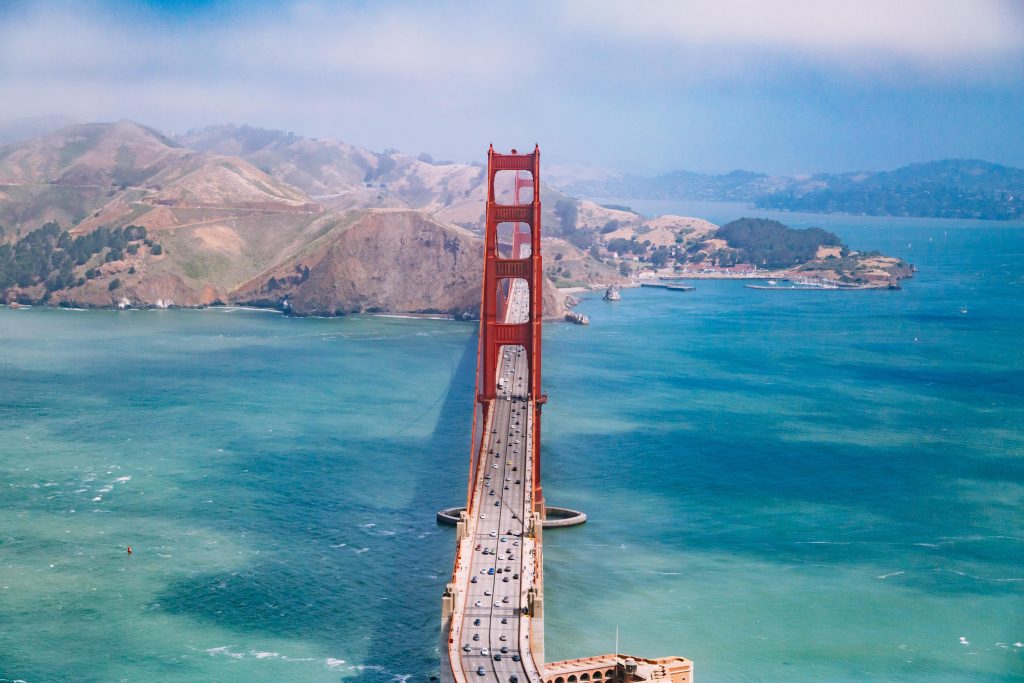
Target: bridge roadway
[490, 629]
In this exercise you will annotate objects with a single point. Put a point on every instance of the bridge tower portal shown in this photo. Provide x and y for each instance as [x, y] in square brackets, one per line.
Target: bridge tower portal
[500, 271]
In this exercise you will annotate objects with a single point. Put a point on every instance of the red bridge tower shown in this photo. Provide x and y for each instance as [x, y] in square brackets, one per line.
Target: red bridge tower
[500, 272]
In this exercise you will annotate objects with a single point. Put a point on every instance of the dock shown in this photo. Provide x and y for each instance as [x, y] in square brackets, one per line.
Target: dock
[674, 288]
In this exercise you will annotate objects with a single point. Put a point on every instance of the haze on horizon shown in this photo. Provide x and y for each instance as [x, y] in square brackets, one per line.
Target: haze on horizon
[782, 86]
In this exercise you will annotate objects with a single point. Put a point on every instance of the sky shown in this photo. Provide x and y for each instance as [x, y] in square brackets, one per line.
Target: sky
[780, 86]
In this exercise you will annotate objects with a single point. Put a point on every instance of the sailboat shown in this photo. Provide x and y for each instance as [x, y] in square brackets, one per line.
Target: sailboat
[963, 309]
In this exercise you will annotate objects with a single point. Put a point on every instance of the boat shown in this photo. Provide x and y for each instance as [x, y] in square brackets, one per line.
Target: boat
[772, 282]
[963, 309]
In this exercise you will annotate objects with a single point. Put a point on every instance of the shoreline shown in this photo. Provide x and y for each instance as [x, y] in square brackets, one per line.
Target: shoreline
[799, 278]
[227, 308]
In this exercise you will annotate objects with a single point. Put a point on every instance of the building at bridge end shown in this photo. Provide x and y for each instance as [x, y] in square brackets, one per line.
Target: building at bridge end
[619, 669]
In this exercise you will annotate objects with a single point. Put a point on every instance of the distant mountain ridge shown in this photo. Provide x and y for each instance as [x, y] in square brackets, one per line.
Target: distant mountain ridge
[950, 188]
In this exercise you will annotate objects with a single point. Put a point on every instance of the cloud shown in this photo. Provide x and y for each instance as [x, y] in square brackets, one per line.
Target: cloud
[300, 40]
[303, 65]
[594, 81]
[927, 33]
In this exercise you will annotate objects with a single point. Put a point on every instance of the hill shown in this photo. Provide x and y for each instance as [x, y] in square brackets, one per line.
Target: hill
[135, 216]
[952, 188]
[114, 174]
[381, 260]
[341, 176]
[955, 188]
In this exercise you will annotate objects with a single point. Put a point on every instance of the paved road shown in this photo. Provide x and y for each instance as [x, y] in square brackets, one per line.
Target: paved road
[493, 633]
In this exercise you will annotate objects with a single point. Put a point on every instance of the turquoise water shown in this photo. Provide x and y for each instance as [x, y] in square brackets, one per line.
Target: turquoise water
[782, 486]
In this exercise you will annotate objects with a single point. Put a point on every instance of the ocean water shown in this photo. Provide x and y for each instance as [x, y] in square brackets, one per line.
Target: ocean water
[782, 486]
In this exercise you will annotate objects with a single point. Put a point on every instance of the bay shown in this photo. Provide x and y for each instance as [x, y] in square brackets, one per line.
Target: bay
[797, 486]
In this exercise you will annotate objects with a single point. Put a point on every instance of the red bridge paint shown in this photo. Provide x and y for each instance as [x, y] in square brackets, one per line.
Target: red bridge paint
[498, 273]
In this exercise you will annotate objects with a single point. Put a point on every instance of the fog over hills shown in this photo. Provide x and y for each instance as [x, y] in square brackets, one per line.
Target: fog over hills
[26, 128]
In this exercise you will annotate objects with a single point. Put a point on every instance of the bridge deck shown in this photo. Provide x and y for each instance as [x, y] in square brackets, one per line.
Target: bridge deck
[504, 563]
[492, 611]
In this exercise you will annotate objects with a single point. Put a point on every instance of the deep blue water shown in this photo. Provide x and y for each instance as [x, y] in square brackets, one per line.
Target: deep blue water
[782, 486]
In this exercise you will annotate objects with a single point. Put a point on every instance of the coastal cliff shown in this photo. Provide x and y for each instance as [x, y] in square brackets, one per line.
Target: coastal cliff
[385, 260]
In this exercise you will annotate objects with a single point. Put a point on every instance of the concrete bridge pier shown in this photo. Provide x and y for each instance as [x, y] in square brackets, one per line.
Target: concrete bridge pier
[556, 518]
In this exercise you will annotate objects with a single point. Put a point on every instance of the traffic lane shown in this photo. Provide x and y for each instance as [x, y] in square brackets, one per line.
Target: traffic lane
[510, 526]
[480, 567]
[512, 511]
[489, 613]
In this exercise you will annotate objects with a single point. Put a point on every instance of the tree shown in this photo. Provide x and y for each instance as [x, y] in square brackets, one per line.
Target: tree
[660, 257]
[772, 244]
[156, 250]
[565, 211]
[583, 239]
[114, 284]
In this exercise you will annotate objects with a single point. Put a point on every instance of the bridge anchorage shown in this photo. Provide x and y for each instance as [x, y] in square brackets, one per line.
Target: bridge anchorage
[492, 610]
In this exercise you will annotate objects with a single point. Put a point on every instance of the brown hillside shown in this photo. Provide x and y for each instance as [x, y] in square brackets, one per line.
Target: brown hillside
[317, 167]
[387, 261]
[114, 173]
[219, 227]
[92, 154]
